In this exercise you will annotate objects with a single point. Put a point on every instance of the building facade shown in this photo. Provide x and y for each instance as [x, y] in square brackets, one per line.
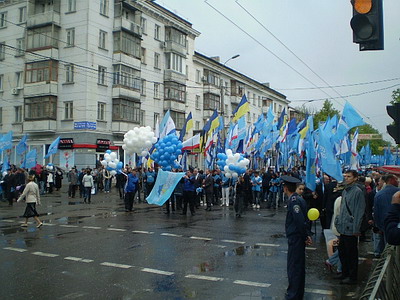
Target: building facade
[89, 71]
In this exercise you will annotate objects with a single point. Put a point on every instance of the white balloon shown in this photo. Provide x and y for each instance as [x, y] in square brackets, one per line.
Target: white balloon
[104, 163]
[237, 156]
[229, 152]
[112, 165]
[228, 175]
[226, 168]
[144, 153]
[113, 155]
[113, 172]
[235, 175]
[107, 158]
[116, 160]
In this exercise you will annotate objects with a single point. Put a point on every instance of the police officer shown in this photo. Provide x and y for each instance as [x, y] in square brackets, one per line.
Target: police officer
[298, 237]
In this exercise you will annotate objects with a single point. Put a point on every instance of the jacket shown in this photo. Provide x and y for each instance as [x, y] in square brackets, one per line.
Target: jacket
[30, 193]
[296, 221]
[392, 225]
[87, 181]
[382, 204]
[348, 222]
[132, 183]
[209, 184]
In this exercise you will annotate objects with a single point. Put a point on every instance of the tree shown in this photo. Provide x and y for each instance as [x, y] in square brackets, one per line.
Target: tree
[395, 97]
[326, 111]
[376, 145]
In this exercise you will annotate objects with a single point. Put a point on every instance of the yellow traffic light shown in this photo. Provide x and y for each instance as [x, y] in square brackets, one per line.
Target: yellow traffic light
[362, 6]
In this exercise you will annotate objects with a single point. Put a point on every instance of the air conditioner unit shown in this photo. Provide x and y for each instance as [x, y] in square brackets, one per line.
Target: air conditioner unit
[163, 45]
[15, 91]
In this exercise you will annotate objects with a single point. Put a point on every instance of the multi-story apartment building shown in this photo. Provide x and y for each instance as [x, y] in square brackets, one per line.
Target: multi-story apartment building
[89, 71]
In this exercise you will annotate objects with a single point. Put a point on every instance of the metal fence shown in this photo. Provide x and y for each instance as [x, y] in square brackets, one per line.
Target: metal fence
[384, 283]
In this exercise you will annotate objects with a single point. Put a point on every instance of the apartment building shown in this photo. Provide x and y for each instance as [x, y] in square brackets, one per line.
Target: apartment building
[89, 71]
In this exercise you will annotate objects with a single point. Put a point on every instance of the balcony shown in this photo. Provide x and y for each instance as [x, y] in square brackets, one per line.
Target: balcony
[235, 99]
[264, 109]
[119, 91]
[207, 113]
[122, 23]
[40, 88]
[130, 61]
[171, 46]
[170, 75]
[40, 126]
[48, 52]
[174, 105]
[46, 18]
[120, 127]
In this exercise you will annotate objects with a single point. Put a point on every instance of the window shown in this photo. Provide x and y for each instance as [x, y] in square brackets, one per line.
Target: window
[1, 82]
[259, 101]
[176, 36]
[69, 73]
[254, 99]
[101, 111]
[22, 14]
[127, 43]
[274, 107]
[157, 31]
[197, 103]
[156, 119]
[248, 117]
[174, 91]
[157, 91]
[197, 125]
[70, 37]
[102, 75]
[178, 118]
[43, 37]
[157, 61]
[71, 6]
[1, 115]
[2, 51]
[104, 7]
[143, 25]
[254, 117]
[18, 114]
[211, 101]
[41, 108]
[226, 109]
[18, 79]
[143, 56]
[102, 39]
[211, 77]
[126, 77]
[198, 76]
[248, 96]
[143, 88]
[68, 110]
[41, 71]
[126, 110]
[3, 19]
[174, 62]
[20, 47]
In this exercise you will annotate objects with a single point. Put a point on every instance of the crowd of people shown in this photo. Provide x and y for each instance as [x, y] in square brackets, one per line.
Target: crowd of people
[348, 210]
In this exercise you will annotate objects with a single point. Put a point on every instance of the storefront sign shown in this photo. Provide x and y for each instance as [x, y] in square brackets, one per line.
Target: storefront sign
[102, 145]
[85, 125]
[66, 143]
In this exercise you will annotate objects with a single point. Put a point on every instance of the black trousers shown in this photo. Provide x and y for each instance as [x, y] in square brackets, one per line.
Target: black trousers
[209, 199]
[348, 254]
[88, 194]
[188, 197]
[71, 190]
[129, 197]
[239, 204]
[296, 267]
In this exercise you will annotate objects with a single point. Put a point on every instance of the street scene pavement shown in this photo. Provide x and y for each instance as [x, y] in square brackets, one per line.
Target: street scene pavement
[99, 251]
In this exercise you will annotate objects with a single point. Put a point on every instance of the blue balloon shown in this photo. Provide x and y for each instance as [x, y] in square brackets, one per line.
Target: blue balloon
[168, 144]
[178, 152]
[120, 165]
[168, 168]
[232, 167]
[108, 151]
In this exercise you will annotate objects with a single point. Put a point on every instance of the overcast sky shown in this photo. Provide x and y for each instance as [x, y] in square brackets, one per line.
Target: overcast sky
[318, 32]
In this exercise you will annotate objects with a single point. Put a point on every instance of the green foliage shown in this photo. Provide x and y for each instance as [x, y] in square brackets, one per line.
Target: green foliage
[374, 144]
[322, 115]
[395, 96]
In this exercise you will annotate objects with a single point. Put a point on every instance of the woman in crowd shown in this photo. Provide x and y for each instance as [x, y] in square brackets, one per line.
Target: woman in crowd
[32, 197]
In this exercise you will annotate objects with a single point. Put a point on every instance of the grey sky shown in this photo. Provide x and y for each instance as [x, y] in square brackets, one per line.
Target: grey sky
[316, 31]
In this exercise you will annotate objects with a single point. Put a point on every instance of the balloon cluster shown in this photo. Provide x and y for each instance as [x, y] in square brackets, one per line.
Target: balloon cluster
[139, 140]
[50, 167]
[167, 151]
[232, 165]
[111, 162]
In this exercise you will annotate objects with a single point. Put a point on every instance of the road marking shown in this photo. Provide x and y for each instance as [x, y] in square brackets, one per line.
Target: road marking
[8, 221]
[142, 231]
[91, 227]
[48, 224]
[78, 259]
[108, 264]
[251, 283]
[210, 278]
[116, 229]
[365, 258]
[233, 242]
[350, 294]
[200, 238]
[69, 226]
[311, 248]
[15, 249]
[171, 234]
[317, 291]
[155, 271]
[45, 254]
[267, 245]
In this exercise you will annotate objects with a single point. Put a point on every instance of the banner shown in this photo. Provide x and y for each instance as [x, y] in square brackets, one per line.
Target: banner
[164, 186]
[67, 159]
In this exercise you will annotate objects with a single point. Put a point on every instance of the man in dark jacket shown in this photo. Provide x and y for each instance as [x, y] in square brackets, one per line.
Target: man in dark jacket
[208, 188]
[189, 192]
[130, 189]
[392, 221]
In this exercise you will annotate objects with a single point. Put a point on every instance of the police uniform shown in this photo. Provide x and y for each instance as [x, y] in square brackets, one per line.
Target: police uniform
[296, 233]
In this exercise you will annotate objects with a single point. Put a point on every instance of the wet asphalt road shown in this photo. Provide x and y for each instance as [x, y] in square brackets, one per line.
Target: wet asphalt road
[98, 251]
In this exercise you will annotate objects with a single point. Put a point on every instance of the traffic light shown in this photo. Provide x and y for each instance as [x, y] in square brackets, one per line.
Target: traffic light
[394, 129]
[367, 24]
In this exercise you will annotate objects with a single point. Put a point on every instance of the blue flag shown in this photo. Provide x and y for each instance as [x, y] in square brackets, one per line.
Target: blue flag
[6, 164]
[311, 176]
[30, 160]
[22, 146]
[329, 163]
[164, 186]
[6, 141]
[53, 147]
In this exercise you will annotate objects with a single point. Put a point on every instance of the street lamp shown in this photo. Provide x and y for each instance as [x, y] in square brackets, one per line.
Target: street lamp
[233, 57]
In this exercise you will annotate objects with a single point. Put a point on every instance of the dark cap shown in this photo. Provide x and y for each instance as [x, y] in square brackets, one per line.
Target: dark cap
[290, 179]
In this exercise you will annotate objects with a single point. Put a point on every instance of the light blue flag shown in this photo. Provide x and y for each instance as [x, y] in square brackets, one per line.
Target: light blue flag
[53, 147]
[22, 146]
[164, 121]
[241, 128]
[270, 115]
[329, 163]
[6, 141]
[6, 165]
[164, 186]
[311, 177]
[351, 116]
[30, 160]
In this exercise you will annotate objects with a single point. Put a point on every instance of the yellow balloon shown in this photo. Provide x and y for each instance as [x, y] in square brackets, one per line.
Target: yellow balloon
[313, 214]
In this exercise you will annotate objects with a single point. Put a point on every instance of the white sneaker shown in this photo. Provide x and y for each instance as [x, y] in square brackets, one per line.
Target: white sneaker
[227, 204]
[254, 205]
[258, 205]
